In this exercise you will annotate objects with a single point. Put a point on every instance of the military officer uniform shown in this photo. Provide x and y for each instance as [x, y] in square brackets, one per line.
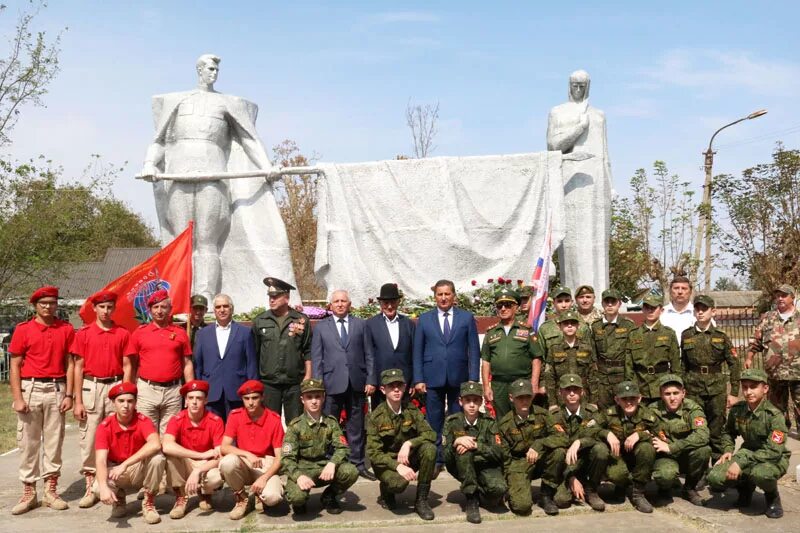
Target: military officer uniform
[564, 359]
[308, 446]
[651, 353]
[763, 456]
[702, 355]
[610, 340]
[283, 345]
[539, 432]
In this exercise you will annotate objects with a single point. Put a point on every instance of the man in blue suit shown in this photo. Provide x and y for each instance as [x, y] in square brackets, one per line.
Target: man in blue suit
[341, 358]
[390, 335]
[446, 354]
[225, 357]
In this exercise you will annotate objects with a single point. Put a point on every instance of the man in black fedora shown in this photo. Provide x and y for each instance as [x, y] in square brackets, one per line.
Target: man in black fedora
[391, 336]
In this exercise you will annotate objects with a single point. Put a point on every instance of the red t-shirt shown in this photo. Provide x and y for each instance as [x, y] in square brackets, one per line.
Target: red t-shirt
[44, 348]
[121, 442]
[200, 438]
[101, 350]
[160, 351]
[261, 437]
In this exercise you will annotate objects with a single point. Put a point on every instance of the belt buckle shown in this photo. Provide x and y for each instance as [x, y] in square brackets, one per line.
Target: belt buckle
[651, 370]
[704, 369]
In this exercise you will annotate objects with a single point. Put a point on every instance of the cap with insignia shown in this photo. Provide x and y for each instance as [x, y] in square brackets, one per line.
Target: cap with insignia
[670, 379]
[312, 385]
[471, 388]
[754, 374]
[277, 286]
[627, 389]
[653, 300]
[570, 380]
[561, 291]
[194, 385]
[785, 288]
[392, 375]
[704, 299]
[526, 291]
[568, 315]
[521, 387]
[506, 294]
[198, 300]
[611, 293]
[584, 289]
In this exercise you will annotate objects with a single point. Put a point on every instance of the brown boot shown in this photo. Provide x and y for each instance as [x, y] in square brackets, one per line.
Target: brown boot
[51, 498]
[240, 501]
[89, 497]
[28, 500]
[119, 509]
[205, 502]
[179, 509]
[149, 512]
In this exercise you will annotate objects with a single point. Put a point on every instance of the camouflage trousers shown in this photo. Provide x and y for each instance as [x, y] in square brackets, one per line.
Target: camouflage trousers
[606, 388]
[763, 475]
[590, 469]
[714, 407]
[476, 474]
[422, 459]
[779, 392]
[519, 473]
[691, 463]
[502, 403]
[636, 465]
[346, 474]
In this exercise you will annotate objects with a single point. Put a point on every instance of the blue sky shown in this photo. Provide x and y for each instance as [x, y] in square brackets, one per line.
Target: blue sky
[336, 77]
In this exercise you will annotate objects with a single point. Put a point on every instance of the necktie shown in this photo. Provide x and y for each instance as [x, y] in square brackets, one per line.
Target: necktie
[446, 328]
[343, 333]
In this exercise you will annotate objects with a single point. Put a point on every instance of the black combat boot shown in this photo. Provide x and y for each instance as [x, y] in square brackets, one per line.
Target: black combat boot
[745, 489]
[387, 500]
[774, 507]
[639, 500]
[472, 509]
[421, 505]
[546, 501]
[594, 500]
[330, 501]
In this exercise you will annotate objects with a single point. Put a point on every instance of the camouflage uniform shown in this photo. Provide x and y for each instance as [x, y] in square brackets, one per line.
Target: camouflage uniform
[562, 359]
[510, 357]
[589, 318]
[651, 353]
[610, 341]
[636, 465]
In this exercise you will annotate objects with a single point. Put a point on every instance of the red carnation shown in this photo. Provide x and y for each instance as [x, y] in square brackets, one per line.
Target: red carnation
[500, 280]
[508, 282]
[474, 282]
[490, 280]
[520, 282]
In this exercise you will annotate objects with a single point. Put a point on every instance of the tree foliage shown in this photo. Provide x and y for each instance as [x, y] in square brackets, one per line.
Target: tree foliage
[727, 284]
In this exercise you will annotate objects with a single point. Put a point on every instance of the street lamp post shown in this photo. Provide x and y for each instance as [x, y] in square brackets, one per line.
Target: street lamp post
[704, 225]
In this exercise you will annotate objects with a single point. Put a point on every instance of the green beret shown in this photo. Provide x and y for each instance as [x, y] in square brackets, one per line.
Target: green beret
[754, 374]
[627, 389]
[653, 300]
[506, 294]
[704, 299]
[198, 300]
[566, 316]
[611, 293]
[785, 289]
[471, 388]
[670, 379]
[584, 289]
[392, 375]
[521, 387]
[561, 291]
[570, 380]
[312, 385]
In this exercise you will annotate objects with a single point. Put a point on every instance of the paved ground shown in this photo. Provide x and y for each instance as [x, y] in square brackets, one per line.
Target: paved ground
[364, 515]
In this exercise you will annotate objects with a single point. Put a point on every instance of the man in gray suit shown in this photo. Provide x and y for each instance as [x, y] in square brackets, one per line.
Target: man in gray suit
[344, 362]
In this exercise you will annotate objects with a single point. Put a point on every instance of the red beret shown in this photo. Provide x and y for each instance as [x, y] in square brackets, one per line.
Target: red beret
[158, 296]
[125, 387]
[251, 387]
[194, 385]
[101, 297]
[42, 292]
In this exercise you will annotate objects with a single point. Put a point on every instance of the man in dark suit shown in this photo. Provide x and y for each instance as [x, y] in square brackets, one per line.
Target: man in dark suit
[446, 354]
[341, 358]
[225, 357]
[390, 335]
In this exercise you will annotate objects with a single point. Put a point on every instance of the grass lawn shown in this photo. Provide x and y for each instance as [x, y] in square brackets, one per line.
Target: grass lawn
[8, 420]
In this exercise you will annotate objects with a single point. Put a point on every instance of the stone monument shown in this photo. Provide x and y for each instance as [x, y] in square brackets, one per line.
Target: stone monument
[578, 131]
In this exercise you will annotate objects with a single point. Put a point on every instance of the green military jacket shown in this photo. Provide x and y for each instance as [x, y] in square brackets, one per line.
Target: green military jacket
[549, 333]
[281, 353]
[763, 432]
[309, 445]
[509, 356]
[538, 431]
[585, 426]
[643, 422]
[577, 359]
[780, 343]
[651, 353]
[387, 432]
[702, 356]
[610, 341]
[485, 431]
[684, 430]
[589, 318]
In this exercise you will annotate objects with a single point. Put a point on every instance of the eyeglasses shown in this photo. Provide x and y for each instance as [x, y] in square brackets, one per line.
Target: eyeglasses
[502, 305]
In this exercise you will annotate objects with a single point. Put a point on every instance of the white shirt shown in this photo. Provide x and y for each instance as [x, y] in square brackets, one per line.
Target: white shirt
[394, 329]
[678, 321]
[576, 413]
[449, 318]
[223, 334]
[612, 322]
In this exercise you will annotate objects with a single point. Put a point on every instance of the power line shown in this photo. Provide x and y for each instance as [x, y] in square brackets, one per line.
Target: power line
[761, 138]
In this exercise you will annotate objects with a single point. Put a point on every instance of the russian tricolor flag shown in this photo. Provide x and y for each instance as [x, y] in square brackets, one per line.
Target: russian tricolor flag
[540, 280]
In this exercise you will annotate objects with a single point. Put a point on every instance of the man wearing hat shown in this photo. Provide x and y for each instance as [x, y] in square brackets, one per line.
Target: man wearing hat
[569, 354]
[282, 337]
[41, 377]
[610, 339]
[99, 350]
[652, 351]
[401, 445]
[587, 454]
[314, 453]
[473, 451]
[390, 335]
[128, 455]
[682, 441]
[629, 430]
[584, 299]
[162, 362]
[704, 350]
[763, 457]
[192, 445]
[255, 459]
[197, 316]
[507, 353]
[525, 300]
[777, 339]
[535, 448]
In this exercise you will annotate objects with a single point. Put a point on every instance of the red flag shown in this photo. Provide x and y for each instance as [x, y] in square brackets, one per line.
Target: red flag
[170, 269]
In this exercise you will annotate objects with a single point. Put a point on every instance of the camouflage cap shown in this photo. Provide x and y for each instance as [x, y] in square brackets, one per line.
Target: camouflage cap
[627, 389]
[566, 316]
[704, 299]
[611, 293]
[312, 385]
[785, 288]
[584, 289]
[392, 375]
[559, 291]
[754, 374]
[654, 300]
[670, 379]
[526, 291]
[570, 380]
[198, 300]
[506, 294]
[521, 387]
[471, 388]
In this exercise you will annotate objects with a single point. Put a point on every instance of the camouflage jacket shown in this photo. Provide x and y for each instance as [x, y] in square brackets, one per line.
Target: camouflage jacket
[644, 422]
[702, 356]
[684, 430]
[577, 359]
[763, 432]
[593, 315]
[387, 432]
[584, 427]
[610, 340]
[779, 341]
[309, 444]
[486, 435]
[651, 353]
[538, 431]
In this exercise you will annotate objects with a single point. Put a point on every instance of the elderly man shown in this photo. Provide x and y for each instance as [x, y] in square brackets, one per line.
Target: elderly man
[225, 357]
[162, 359]
[342, 359]
[678, 314]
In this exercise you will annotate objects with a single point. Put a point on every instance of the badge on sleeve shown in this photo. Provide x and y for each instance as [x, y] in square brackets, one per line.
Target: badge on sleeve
[559, 428]
[497, 438]
[343, 439]
[777, 437]
[699, 422]
[287, 448]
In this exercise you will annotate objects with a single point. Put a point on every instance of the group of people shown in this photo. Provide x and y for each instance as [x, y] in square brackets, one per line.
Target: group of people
[588, 397]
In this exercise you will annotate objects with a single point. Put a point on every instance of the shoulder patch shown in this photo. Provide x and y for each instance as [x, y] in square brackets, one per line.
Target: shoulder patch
[777, 436]
[699, 421]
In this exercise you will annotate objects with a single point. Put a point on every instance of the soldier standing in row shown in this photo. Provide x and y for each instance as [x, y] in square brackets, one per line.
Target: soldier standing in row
[584, 299]
[197, 316]
[571, 354]
[610, 338]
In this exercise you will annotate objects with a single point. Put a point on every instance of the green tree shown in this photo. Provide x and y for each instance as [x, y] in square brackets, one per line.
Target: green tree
[727, 284]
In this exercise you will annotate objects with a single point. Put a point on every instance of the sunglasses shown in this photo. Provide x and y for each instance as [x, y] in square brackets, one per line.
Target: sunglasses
[502, 305]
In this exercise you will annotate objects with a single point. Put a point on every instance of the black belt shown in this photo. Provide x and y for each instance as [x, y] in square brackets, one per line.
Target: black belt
[46, 380]
[706, 369]
[655, 369]
[610, 364]
[104, 381]
[162, 383]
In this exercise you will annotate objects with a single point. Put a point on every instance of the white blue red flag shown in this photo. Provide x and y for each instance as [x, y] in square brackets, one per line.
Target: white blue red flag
[540, 281]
